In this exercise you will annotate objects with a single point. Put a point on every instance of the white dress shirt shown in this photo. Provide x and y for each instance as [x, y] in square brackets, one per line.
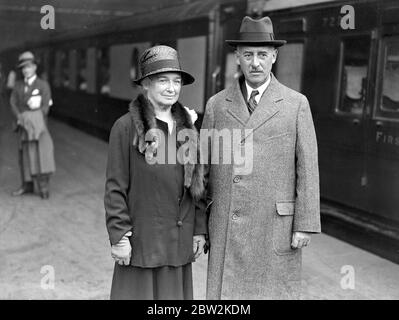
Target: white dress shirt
[260, 89]
[30, 80]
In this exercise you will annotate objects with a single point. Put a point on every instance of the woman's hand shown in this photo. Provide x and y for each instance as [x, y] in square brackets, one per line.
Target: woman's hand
[198, 245]
[121, 252]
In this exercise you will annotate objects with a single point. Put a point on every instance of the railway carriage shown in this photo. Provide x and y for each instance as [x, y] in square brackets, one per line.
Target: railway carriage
[351, 77]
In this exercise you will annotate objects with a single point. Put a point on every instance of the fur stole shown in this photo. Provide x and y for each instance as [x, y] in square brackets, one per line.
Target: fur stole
[143, 117]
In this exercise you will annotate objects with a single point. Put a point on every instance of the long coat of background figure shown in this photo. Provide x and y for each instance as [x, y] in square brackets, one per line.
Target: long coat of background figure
[37, 159]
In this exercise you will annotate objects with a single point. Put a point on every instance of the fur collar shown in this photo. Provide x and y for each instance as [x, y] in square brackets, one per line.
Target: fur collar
[143, 117]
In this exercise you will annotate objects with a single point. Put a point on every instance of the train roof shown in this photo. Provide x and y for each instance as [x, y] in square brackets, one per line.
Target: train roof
[325, 17]
[386, 4]
[176, 14]
[179, 13]
[200, 10]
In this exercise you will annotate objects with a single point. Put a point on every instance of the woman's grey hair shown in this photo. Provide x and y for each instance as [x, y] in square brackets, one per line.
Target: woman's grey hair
[145, 82]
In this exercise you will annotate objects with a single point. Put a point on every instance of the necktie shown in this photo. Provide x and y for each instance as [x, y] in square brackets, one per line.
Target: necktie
[26, 85]
[252, 102]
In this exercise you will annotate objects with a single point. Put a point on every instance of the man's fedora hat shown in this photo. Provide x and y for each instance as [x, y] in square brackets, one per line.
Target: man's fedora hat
[161, 59]
[256, 32]
[25, 58]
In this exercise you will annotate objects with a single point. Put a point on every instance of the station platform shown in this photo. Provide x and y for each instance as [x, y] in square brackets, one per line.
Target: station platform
[67, 234]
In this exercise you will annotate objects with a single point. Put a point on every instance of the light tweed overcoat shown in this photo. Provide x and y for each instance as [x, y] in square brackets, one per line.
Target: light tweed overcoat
[252, 216]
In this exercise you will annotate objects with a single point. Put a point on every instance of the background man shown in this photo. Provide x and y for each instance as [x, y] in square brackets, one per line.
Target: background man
[259, 222]
[30, 103]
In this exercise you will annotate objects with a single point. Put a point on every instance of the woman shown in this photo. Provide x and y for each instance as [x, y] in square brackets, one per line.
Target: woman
[155, 213]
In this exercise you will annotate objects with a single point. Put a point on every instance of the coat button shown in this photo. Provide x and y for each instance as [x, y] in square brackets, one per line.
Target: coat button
[242, 143]
[179, 223]
[236, 179]
[234, 216]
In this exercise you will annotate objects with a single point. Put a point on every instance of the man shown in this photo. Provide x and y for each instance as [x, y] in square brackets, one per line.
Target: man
[259, 221]
[30, 103]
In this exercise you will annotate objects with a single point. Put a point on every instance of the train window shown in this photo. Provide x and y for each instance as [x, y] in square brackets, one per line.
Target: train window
[64, 69]
[124, 68]
[289, 65]
[103, 71]
[40, 60]
[52, 66]
[73, 69]
[389, 100]
[91, 70]
[134, 65]
[192, 52]
[45, 74]
[59, 56]
[355, 53]
[82, 70]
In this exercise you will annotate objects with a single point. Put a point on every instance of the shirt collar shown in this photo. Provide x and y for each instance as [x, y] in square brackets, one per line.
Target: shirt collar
[31, 79]
[261, 89]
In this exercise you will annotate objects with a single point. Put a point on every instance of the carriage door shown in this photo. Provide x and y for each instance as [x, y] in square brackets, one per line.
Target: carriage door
[343, 141]
[383, 150]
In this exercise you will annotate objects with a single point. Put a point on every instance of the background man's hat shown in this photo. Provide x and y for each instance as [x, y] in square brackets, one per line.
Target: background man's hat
[259, 32]
[26, 58]
[161, 59]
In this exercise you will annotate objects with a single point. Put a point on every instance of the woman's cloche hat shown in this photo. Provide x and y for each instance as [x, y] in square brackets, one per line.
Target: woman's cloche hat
[256, 32]
[25, 58]
[161, 59]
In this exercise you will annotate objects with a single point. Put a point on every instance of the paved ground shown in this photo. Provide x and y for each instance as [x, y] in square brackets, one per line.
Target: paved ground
[67, 233]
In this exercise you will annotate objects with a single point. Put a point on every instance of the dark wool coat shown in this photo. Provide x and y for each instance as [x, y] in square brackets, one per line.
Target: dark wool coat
[161, 204]
[253, 215]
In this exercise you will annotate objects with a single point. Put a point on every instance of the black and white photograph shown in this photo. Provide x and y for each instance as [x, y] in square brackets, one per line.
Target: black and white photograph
[212, 151]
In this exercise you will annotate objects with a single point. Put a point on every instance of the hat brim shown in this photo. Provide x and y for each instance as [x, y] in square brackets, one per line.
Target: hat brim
[187, 78]
[274, 43]
[26, 62]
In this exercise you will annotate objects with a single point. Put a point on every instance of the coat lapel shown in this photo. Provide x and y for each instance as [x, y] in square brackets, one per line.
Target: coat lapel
[269, 105]
[28, 92]
[236, 105]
